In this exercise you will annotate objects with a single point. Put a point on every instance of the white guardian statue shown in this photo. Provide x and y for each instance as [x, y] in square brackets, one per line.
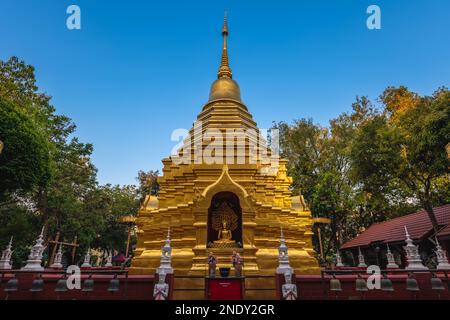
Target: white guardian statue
[289, 290]
[161, 289]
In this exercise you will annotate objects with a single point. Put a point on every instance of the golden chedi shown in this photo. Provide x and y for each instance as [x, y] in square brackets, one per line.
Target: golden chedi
[225, 190]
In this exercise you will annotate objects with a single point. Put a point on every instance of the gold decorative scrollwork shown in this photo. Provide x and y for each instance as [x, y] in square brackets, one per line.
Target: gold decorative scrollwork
[224, 213]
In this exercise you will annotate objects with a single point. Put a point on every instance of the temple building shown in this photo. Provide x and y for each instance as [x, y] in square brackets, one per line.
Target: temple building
[225, 190]
[374, 241]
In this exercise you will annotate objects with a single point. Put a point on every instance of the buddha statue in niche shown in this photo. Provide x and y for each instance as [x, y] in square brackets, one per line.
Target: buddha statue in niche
[224, 233]
[224, 221]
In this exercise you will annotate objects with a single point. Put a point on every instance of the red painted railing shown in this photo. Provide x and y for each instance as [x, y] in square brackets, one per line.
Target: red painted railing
[317, 287]
[131, 287]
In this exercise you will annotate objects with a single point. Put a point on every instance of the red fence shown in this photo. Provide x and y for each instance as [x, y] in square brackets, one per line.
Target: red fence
[128, 287]
[318, 287]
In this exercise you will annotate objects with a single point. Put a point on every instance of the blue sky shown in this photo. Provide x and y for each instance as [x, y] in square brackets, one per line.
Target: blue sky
[137, 70]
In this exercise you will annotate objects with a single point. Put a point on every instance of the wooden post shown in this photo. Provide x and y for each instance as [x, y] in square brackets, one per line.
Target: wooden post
[56, 242]
[74, 248]
[128, 241]
[129, 221]
[55, 246]
[319, 221]
[320, 241]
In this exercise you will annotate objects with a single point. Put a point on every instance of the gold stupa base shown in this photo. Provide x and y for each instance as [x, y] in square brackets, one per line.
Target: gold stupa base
[223, 244]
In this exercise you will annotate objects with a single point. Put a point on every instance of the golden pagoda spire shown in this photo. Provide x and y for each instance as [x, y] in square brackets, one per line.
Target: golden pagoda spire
[224, 69]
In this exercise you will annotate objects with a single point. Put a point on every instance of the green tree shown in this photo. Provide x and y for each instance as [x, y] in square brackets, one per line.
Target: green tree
[148, 183]
[25, 161]
[405, 148]
[328, 165]
[69, 200]
[318, 164]
[110, 203]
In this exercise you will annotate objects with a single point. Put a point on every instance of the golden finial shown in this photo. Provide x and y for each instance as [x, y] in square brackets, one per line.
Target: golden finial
[224, 69]
[225, 25]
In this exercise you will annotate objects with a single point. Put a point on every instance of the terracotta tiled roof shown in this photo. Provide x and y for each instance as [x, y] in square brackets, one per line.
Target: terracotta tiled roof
[418, 225]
